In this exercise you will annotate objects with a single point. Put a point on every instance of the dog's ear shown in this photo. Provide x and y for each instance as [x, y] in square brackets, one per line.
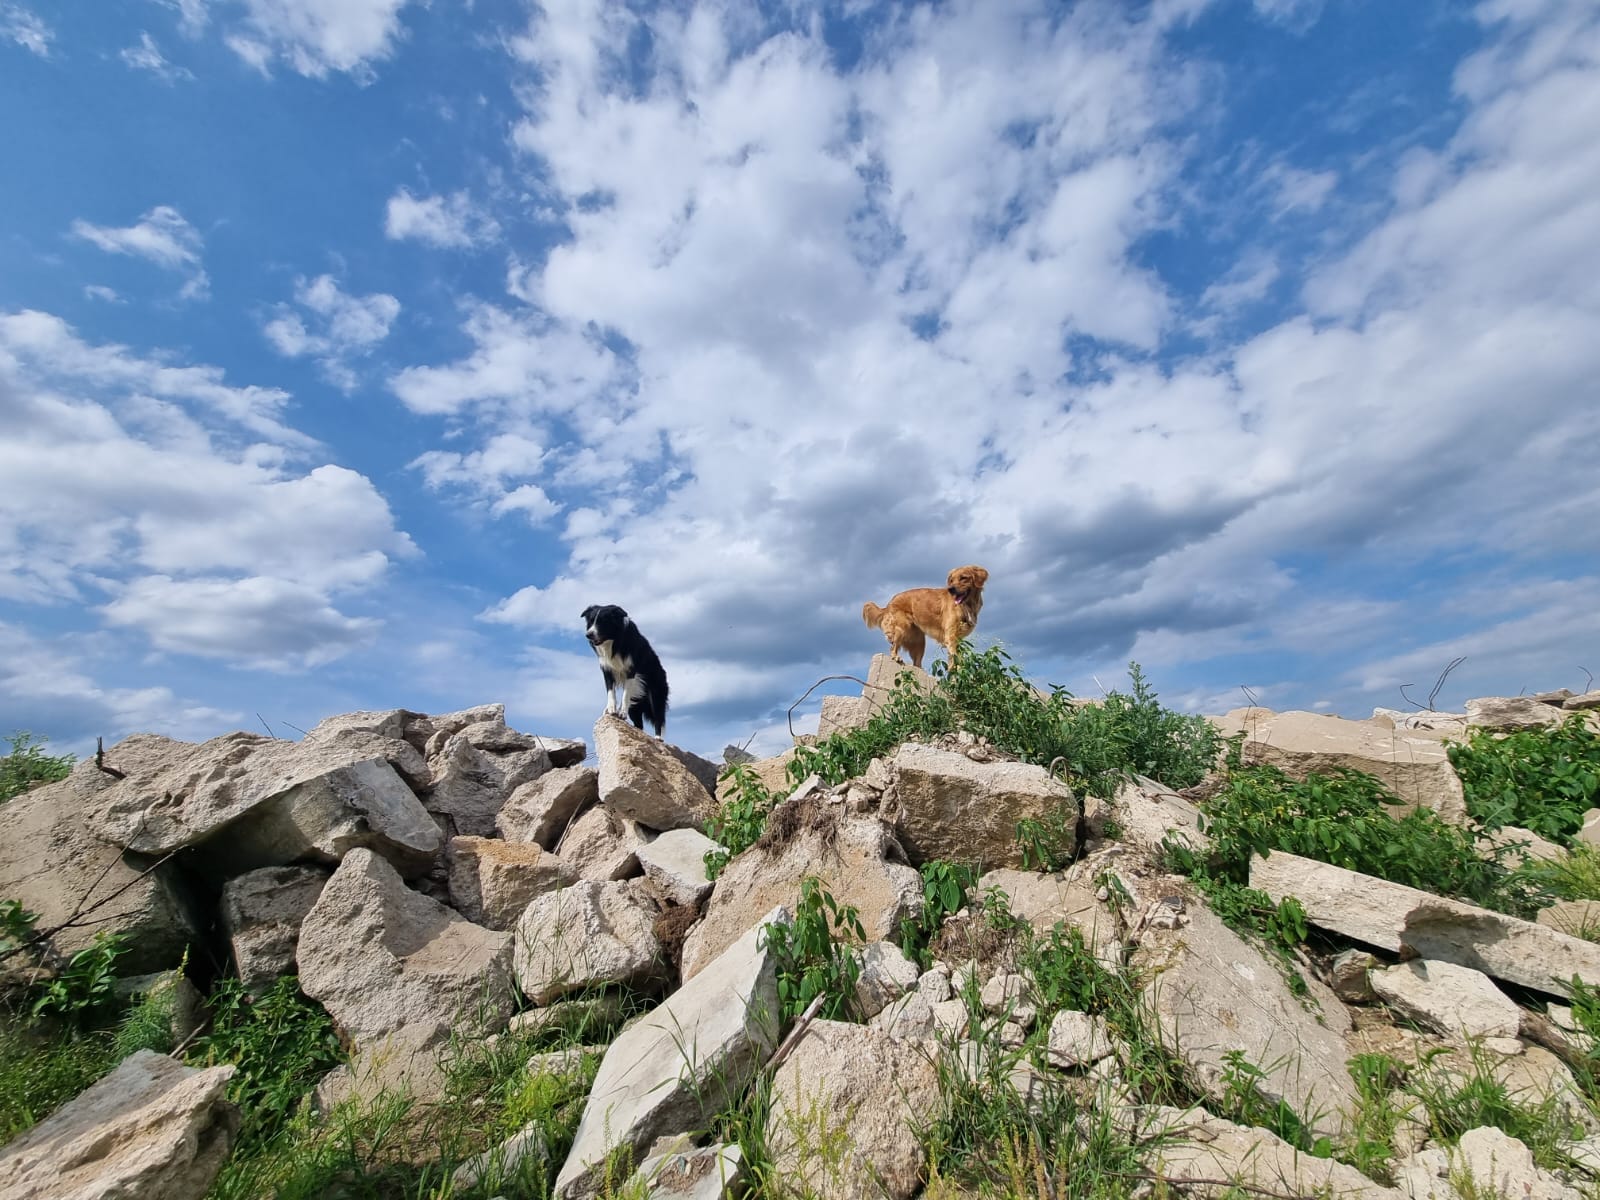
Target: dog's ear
[588, 613]
[983, 576]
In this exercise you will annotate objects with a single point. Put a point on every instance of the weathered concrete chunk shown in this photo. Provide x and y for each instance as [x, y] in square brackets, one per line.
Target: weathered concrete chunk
[153, 1129]
[471, 777]
[262, 912]
[1148, 814]
[56, 868]
[1488, 1164]
[642, 779]
[258, 802]
[379, 956]
[360, 735]
[1589, 700]
[492, 881]
[886, 975]
[1411, 763]
[1077, 1040]
[1068, 898]
[856, 858]
[1455, 1001]
[840, 713]
[684, 1061]
[604, 845]
[861, 1094]
[676, 863]
[1211, 992]
[962, 811]
[1205, 1156]
[404, 1062]
[586, 935]
[712, 1172]
[1452, 724]
[1394, 917]
[540, 810]
[1509, 713]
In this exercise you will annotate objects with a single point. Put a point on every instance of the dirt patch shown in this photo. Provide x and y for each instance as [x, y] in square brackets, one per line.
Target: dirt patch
[672, 930]
[795, 817]
[678, 1176]
[969, 936]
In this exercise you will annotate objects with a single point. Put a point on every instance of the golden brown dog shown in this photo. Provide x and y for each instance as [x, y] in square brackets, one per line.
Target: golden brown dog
[946, 614]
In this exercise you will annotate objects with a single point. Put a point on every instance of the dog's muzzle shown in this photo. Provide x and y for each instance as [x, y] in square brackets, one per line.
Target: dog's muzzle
[961, 597]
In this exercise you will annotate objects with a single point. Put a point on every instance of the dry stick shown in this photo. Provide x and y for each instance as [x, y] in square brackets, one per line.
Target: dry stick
[826, 678]
[802, 1023]
[267, 727]
[100, 760]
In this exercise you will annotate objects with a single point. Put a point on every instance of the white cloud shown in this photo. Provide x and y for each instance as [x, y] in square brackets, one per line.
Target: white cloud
[147, 56]
[98, 291]
[162, 236]
[23, 26]
[343, 327]
[315, 37]
[816, 337]
[192, 16]
[178, 498]
[451, 221]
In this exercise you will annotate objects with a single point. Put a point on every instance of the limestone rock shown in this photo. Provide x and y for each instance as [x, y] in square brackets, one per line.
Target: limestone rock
[682, 1061]
[1210, 992]
[587, 934]
[1587, 701]
[1065, 897]
[1509, 713]
[379, 956]
[840, 713]
[1577, 917]
[909, 1017]
[492, 881]
[963, 811]
[153, 1129]
[1452, 724]
[253, 801]
[1412, 763]
[884, 675]
[541, 809]
[55, 867]
[474, 771]
[1198, 1146]
[262, 912]
[705, 1173]
[1394, 917]
[1498, 1166]
[641, 779]
[676, 863]
[173, 991]
[603, 845]
[1148, 813]
[360, 735]
[886, 975]
[404, 1062]
[1077, 1040]
[857, 1081]
[856, 858]
[1348, 976]
[1455, 1001]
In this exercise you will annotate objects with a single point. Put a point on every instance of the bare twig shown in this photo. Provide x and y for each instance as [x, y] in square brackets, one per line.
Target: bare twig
[825, 679]
[1589, 686]
[1250, 696]
[801, 1024]
[297, 729]
[267, 727]
[100, 760]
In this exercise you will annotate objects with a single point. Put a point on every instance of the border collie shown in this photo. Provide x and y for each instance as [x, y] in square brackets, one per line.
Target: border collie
[628, 663]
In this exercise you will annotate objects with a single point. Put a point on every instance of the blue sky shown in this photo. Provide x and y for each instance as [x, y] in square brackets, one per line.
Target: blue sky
[350, 348]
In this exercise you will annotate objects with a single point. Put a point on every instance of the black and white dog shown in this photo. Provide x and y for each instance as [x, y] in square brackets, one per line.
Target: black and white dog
[628, 663]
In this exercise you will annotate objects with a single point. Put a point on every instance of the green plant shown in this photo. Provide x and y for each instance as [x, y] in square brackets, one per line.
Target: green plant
[28, 764]
[1243, 1102]
[813, 956]
[1456, 1101]
[1048, 841]
[280, 1042]
[87, 983]
[1575, 877]
[944, 891]
[741, 819]
[1369, 1146]
[16, 926]
[1539, 779]
[1342, 818]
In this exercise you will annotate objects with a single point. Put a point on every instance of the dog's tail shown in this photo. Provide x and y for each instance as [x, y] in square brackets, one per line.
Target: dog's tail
[872, 614]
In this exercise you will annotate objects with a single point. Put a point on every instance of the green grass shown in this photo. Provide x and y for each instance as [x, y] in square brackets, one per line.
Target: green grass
[27, 764]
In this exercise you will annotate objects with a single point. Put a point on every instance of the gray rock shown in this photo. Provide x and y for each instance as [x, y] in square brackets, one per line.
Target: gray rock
[683, 1061]
[642, 779]
[540, 810]
[1210, 992]
[704, 1173]
[474, 771]
[1348, 976]
[493, 881]
[955, 809]
[153, 1129]
[1077, 1040]
[262, 912]
[1509, 713]
[1490, 1162]
[407, 1061]
[1455, 1001]
[379, 956]
[602, 845]
[1196, 1146]
[1585, 702]
[886, 975]
[846, 1105]
[586, 935]
[676, 863]
[1149, 813]
[1394, 917]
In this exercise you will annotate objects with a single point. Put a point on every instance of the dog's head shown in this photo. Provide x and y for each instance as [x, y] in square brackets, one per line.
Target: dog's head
[966, 582]
[603, 622]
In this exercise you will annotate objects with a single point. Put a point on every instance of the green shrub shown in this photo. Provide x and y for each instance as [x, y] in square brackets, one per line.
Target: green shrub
[944, 891]
[87, 983]
[741, 820]
[1539, 779]
[28, 764]
[814, 955]
[281, 1043]
[1342, 818]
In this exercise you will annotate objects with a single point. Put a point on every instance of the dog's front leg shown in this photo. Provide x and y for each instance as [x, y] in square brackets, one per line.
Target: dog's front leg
[611, 691]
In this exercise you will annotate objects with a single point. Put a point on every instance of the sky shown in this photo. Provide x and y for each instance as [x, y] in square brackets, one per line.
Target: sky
[349, 349]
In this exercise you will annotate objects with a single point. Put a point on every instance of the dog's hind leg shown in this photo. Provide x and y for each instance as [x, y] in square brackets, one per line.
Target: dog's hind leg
[916, 645]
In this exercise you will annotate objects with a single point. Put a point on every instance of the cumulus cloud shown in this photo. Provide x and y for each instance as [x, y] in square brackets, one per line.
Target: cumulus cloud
[332, 326]
[24, 27]
[313, 37]
[452, 221]
[147, 56]
[163, 237]
[181, 502]
[818, 334]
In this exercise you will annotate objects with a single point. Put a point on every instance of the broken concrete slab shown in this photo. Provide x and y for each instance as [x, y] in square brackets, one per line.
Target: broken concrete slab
[958, 810]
